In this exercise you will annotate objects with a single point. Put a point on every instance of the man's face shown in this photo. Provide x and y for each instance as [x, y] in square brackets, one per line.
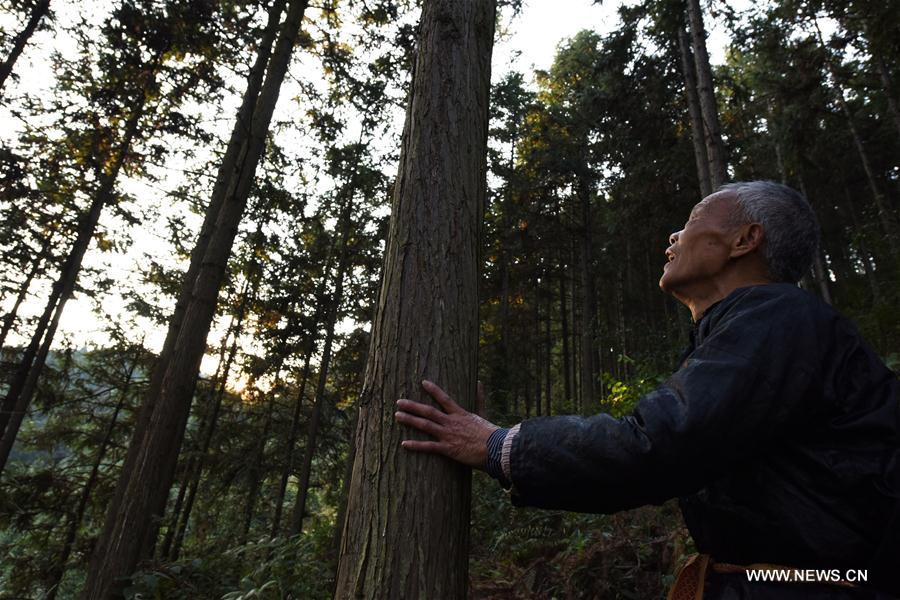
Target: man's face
[699, 253]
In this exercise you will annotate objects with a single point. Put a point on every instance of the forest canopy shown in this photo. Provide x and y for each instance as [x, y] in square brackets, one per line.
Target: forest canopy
[196, 199]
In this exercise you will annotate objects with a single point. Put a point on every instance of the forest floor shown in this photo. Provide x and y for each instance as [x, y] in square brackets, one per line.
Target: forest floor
[533, 554]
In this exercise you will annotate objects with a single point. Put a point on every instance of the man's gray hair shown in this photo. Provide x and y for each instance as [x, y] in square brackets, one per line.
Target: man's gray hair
[791, 231]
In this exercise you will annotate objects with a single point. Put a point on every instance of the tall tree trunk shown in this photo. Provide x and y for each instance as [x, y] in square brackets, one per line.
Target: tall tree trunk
[888, 84]
[588, 303]
[576, 334]
[17, 384]
[503, 385]
[10, 318]
[59, 568]
[538, 371]
[227, 169]
[253, 477]
[564, 318]
[819, 269]
[316, 415]
[693, 101]
[877, 195]
[288, 465]
[715, 149]
[37, 13]
[221, 375]
[146, 485]
[64, 287]
[862, 250]
[548, 355]
[886, 221]
[196, 474]
[404, 504]
[345, 494]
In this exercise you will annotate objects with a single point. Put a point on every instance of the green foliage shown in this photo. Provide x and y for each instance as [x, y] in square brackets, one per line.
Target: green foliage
[590, 169]
[268, 569]
[528, 553]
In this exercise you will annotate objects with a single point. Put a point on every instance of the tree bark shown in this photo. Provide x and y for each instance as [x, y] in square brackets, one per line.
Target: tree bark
[37, 13]
[693, 101]
[145, 486]
[426, 326]
[197, 474]
[715, 149]
[229, 167]
[220, 376]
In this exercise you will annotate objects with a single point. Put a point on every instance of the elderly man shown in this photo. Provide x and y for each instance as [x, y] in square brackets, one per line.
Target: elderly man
[779, 432]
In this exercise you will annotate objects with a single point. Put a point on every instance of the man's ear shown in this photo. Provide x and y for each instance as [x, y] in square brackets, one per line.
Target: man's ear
[749, 238]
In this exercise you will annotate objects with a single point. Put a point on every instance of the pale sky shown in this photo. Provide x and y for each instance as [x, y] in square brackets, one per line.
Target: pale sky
[528, 42]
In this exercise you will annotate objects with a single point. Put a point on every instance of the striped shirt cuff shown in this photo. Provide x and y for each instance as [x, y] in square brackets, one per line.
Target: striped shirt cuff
[505, 451]
[494, 450]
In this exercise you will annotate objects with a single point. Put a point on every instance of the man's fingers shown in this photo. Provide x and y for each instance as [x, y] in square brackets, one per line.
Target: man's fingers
[422, 410]
[441, 396]
[424, 446]
[429, 427]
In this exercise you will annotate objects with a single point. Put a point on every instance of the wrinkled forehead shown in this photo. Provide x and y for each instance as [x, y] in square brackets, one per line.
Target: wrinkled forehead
[719, 204]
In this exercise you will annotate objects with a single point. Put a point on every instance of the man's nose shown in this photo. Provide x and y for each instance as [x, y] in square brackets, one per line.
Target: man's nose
[674, 237]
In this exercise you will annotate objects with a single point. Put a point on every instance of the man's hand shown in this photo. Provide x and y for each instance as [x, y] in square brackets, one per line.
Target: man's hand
[458, 434]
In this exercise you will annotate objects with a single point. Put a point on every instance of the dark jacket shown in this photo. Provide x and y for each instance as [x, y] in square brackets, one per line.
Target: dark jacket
[779, 433]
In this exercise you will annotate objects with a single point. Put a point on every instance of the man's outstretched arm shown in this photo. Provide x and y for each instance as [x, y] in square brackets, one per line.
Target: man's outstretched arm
[728, 401]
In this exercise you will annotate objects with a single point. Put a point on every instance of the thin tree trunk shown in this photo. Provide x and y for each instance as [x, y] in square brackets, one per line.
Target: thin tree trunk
[229, 166]
[288, 467]
[693, 101]
[315, 417]
[291, 441]
[819, 269]
[547, 353]
[146, 485]
[538, 370]
[59, 568]
[187, 475]
[63, 289]
[564, 318]
[10, 319]
[862, 249]
[504, 385]
[16, 385]
[37, 13]
[715, 149]
[588, 304]
[576, 335]
[405, 504]
[200, 463]
[878, 197]
[253, 477]
[885, 76]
